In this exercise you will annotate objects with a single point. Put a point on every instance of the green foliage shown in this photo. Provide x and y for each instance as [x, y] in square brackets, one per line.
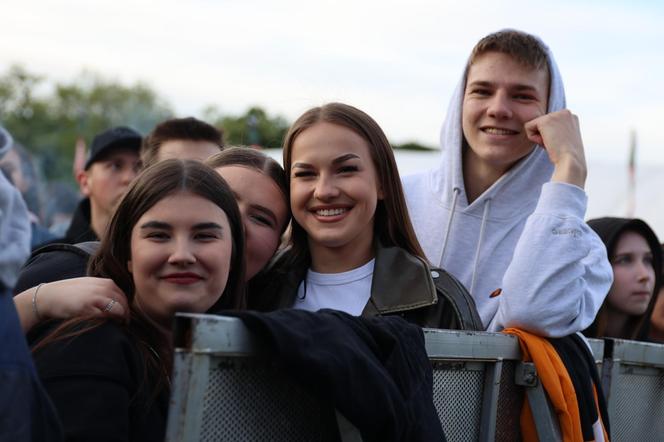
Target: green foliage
[255, 127]
[48, 123]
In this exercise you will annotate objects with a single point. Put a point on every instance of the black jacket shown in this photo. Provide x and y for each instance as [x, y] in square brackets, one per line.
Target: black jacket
[55, 262]
[375, 371]
[580, 364]
[59, 259]
[100, 388]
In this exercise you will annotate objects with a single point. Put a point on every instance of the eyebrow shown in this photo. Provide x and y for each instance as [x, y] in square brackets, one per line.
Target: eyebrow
[518, 87]
[265, 211]
[338, 160]
[632, 253]
[344, 158]
[166, 226]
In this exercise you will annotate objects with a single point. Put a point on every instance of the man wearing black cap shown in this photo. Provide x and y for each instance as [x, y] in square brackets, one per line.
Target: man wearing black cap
[112, 164]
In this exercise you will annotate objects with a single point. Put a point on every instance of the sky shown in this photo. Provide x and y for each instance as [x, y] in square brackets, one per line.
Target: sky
[397, 60]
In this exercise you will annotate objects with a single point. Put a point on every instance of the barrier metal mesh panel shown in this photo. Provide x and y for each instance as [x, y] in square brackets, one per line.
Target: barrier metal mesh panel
[247, 400]
[635, 395]
[510, 402]
[457, 395]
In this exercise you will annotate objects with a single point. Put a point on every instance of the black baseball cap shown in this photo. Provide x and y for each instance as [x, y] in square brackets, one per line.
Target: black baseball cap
[120, 137]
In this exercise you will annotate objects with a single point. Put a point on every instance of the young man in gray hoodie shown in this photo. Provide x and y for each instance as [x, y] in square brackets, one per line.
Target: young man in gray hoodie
[504, 211]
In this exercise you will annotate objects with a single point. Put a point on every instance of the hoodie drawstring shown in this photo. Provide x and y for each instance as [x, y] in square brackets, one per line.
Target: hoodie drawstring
[456, 192]
[485, 215]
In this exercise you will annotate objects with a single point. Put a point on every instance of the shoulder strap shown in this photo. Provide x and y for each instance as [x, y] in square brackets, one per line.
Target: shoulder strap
[89, 247]
[459, 299]
[83, 249]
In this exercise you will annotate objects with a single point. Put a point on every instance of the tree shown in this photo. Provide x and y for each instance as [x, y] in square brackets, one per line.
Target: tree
[255, 127]
[48, 117]
[49, 123]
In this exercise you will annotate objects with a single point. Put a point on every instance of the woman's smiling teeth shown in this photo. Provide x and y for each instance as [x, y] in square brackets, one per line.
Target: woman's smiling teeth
[498, 131]
[331, 212]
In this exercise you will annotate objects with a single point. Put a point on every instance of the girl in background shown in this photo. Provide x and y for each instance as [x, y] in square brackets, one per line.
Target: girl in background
[656, 332]
[636, 258]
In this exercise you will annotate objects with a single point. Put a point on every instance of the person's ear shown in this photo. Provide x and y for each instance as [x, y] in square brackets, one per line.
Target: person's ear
[83, 180]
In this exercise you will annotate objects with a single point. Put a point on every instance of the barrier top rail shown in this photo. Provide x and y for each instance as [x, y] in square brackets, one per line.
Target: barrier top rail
[639, 353]
[209, 334]
[200, 333]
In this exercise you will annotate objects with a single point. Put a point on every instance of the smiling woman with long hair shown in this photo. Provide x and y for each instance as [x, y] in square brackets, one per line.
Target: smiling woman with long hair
[175, 244]
[352, 246]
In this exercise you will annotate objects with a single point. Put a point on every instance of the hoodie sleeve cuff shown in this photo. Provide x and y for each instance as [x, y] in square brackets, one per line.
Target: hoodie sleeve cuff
[562, 199]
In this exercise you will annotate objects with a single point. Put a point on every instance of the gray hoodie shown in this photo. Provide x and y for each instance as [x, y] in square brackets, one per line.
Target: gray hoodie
[14, 224]
[521, 248]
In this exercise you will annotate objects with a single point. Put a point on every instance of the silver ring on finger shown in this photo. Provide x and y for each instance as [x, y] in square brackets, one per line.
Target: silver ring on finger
[109, 306]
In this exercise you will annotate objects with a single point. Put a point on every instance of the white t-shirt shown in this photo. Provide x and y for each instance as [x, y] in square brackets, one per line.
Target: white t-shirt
[347, 291]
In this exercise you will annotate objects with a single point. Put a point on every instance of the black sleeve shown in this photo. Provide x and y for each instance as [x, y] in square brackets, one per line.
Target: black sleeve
[52, 265]
[91, 380]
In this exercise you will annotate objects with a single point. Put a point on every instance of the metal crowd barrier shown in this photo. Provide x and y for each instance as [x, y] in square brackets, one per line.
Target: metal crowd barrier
[633, 381]
[223, 390]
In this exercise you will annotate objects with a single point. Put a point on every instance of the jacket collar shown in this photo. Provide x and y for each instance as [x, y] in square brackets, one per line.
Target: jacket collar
[400, 282]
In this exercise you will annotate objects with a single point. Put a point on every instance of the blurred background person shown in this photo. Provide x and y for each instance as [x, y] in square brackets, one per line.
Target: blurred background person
[656, 331]
[14, 225]
[113, 163]
[19, 168]
[181, 138]
[61, 202]
[636, 258]
[27, 414]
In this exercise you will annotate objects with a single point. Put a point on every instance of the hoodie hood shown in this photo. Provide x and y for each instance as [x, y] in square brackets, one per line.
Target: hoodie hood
[517, 188]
